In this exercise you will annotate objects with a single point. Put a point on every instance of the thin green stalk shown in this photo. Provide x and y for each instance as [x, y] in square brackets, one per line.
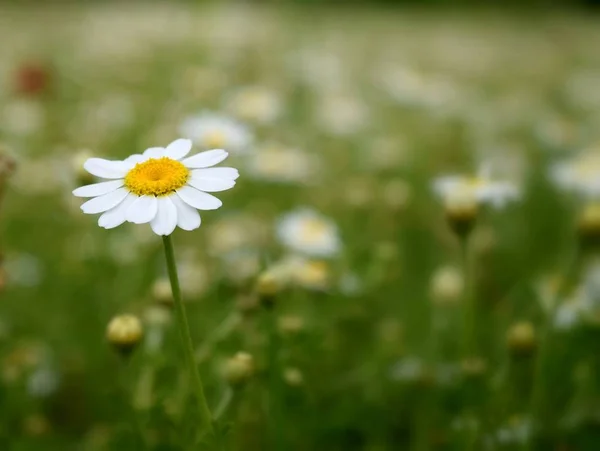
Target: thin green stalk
[206, 419]
[274, 397]
[224, 403]
[469, 306]
[539, 375]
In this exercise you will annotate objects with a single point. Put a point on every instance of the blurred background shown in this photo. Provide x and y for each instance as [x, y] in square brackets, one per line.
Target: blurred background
[343, 120]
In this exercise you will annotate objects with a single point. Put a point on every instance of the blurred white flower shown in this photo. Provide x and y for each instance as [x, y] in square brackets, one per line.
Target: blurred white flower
[482, 187]
[157, 187]
[277, 163]
[580, 174]
[42, 382]
[309, 233]
[255, 104]
[210, 130]
[342, 114]
[22, 117]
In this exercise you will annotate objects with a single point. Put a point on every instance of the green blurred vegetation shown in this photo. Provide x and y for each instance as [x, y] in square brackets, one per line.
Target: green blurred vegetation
[371, 343]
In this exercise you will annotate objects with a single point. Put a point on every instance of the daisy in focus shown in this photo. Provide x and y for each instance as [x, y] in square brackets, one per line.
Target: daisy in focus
[160, 187]
[307, 232]
[482, 187]
[211, 131]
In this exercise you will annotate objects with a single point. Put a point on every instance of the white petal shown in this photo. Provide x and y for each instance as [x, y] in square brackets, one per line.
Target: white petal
[135, 159]
[106, 169]
[98, 189]
[188, 217]
[155, 152]
[106, 202]
[116, 216]
[165, 220]
[178, 149]
[143, 210]
[205, 159]
[198, 199]
[210, 185]
[217, 173]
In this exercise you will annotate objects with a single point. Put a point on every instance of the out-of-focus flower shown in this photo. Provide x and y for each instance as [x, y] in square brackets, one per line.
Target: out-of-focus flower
[558, 133]
[291, 324]
[240, 266]
[521, 338]
[156, 319]
[342, 115]
[255, 104]
[309, 233]
[157, 187]
[124, 332]
[31, 78]
[43, 382]
[235, 232]
[22, 117]
[278, 163]
[210, 130]
[23, 270]
[447, 285]
[580, 174]
[516, 432]
[293, 376]
[485, 189]
[239, 368]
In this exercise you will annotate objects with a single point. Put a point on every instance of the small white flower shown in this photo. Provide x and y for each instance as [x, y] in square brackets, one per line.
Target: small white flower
[255, 103]
[160, 187]
[276, 163]
[482, 187]
[581, 174]
[309, 233]
[214, 131]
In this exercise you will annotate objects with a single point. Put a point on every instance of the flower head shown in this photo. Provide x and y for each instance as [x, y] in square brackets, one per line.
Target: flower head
[309, 233]
[211, 130]
[482, 187]
[580, 174]
[159, 187]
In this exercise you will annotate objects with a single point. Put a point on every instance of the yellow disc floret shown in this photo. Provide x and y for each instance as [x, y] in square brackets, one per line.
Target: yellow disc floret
[156, 177]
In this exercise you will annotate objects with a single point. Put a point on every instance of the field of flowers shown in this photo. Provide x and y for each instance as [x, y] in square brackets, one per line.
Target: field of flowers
[406, 262]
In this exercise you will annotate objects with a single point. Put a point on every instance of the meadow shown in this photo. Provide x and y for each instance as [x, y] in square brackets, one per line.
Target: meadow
[406, 262]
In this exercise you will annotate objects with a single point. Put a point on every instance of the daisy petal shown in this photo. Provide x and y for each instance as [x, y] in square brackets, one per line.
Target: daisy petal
[178, 149]
[97, 189]
[143, 210]
[217, 173]
[116, 215]
[198, 199]
[205, 159]
[105, 202]
[210, 185]
[155, 152]
[188, 217]
[165, 220]
[105, 168]
[135, 159]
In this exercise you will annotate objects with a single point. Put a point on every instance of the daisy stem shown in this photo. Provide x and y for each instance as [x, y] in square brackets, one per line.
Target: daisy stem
[206, 419]
[469, 313]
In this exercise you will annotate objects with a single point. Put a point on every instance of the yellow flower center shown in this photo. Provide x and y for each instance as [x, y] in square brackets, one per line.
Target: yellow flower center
[156, 177]
[215, 138]
[313, 230]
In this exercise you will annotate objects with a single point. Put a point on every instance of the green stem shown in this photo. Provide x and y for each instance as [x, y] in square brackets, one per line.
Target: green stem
[275, 381]
[539, 373]
[224, 403]
[469, 314]
[206, 419]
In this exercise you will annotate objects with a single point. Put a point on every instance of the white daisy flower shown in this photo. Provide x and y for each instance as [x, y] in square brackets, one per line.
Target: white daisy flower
[214, 131]
[482, 187]
[159, 187]
[309, 233]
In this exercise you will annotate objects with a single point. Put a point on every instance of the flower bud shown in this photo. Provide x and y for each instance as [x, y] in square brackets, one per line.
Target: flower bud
[268, 285]
[161, 292]
[588, 226]
[447, 286]
[521, 338]
[293, 376]
[473, 367]
[291, 325]
[461, 211]
[239, 368]
[124, 332]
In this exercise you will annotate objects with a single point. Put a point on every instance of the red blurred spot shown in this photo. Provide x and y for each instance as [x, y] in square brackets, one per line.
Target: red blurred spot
[32, 79]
